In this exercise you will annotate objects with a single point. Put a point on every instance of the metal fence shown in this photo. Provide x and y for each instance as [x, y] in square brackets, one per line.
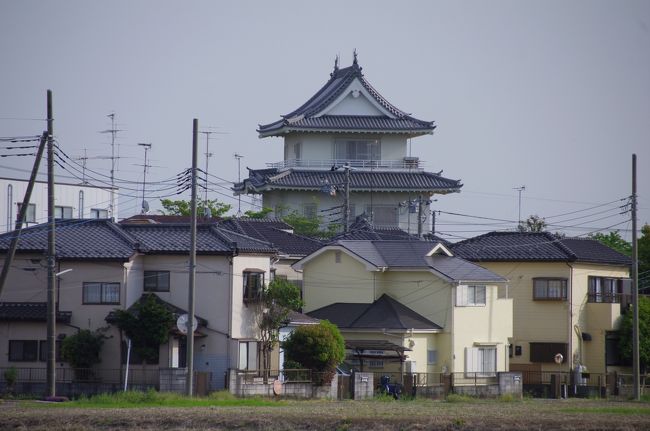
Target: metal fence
[138, 376]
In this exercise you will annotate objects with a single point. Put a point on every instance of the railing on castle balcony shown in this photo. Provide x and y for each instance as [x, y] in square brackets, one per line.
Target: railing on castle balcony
[407, 163]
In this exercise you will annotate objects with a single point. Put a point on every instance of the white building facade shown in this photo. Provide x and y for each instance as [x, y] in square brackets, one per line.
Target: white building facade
[71, 201]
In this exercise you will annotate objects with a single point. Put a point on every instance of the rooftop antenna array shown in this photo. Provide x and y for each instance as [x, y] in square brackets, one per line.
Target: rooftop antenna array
[113, 131]
[520, 189]
[238, 157]
[208, 154]
[145, 204]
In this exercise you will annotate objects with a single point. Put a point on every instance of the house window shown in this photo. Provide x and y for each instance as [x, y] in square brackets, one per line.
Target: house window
[253, 284]
[361, 149]
[23, 350]
[604, 289]
[30, 214]
[62, 212]
[432, 357]
[248, 355]
[481, 360]
[546, 352]
[337, 256]
[309, 210]
[98, 213]
[375, 363]
[383, 215]
[156, 281]
[101, 293]
[297, 150]
[470, 295]
[549, 289]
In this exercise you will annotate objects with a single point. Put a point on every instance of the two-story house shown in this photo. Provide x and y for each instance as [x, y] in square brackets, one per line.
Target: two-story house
[347, 137]
[413, 304]
[568, 296]
[112, 267]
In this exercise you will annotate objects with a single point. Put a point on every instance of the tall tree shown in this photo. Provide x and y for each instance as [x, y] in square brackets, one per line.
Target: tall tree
[534, 223]
[643, 244]
[182, 207]
[625, 342]
[613, 240]
[277, 300]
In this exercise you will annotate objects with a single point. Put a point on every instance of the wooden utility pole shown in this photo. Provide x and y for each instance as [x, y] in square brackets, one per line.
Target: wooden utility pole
[51, 269]
[192, 270]
[21, 214]
[635, 291]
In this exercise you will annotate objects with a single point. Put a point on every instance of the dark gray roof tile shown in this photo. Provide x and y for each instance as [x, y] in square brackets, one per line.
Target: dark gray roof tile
[30, 312]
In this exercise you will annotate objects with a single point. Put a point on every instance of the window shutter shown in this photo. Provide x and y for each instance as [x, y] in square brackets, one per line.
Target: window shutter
[461, 295]
[471, 359]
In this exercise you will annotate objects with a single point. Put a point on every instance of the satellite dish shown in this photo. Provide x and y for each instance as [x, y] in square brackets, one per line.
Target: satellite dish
[145, 207]
[181, 323]
[558, 358]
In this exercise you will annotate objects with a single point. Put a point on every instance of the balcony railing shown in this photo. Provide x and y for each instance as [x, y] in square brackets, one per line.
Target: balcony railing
[407, 163]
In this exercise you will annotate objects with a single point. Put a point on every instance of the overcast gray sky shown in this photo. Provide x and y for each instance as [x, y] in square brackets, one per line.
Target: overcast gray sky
[553, 95]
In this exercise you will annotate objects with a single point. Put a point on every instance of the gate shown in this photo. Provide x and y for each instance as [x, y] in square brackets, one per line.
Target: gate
[344, 391]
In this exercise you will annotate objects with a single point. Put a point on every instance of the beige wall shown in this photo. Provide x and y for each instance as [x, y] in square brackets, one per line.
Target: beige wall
[326, 282]
[556, 321]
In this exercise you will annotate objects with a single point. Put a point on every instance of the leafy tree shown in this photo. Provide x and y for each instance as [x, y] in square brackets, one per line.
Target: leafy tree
[183, 207]
[317, 347]
[258, 214]
[534, 223]
[82, 350]
[613, 240]
[277, 300]
[147, 324]
[625, 342]
[643, 244]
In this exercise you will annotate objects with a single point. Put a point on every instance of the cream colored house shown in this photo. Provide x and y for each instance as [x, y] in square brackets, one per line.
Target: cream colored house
[568, 296]
[113, 266]
[427, 307]
[347, 135]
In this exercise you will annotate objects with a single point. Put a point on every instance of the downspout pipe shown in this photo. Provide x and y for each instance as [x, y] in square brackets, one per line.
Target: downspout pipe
[570, 308]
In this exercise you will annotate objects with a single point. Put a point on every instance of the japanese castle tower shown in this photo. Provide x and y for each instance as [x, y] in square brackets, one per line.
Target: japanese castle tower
[347, 134]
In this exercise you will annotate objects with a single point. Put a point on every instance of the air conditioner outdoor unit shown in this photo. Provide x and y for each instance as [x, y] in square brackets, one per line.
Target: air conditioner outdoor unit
[410, 367]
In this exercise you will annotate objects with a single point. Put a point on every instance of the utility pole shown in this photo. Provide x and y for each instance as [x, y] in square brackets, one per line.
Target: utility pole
[635, 291]
[519, 189]
[147, 147]
[238, 157]
[21, 214]
[190, 298]
[51, 250]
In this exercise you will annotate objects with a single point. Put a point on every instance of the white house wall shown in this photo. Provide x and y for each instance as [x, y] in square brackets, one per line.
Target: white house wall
[64, 195]
[318, 146]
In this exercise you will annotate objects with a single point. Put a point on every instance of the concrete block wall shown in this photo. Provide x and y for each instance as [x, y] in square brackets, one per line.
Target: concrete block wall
[363, 386]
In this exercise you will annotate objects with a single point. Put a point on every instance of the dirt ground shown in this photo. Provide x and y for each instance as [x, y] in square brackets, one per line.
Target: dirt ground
[340, 415]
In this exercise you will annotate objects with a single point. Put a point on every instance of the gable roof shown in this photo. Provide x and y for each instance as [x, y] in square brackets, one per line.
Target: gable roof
[306, 118]
[384, 313]
[92, 239]
[360, 181]
[362, 229]
[75, 240]
[536, 247]
[169, 238]
[412, 255]
[275, 232]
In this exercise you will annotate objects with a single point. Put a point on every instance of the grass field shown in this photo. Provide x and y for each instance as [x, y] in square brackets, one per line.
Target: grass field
[222, 412]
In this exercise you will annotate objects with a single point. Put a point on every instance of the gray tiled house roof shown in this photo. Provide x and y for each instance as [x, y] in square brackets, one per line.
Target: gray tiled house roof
[413, 255]
[274, 232]
[76, 240]
[30, 312]
[534, 246]
[384, 313]
[360, 181]
[305, 119]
